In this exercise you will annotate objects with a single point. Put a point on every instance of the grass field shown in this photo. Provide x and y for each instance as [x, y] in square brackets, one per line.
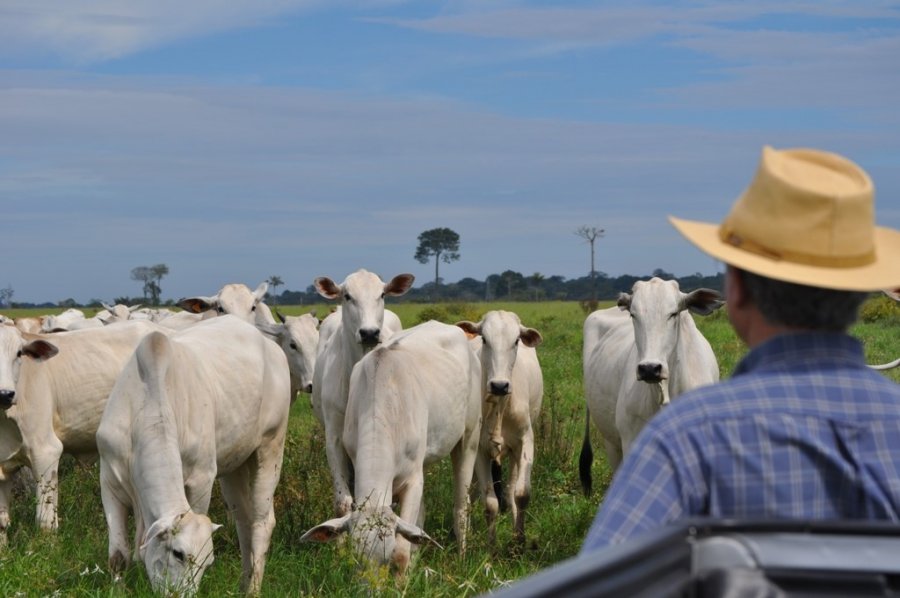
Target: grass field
[73, 562]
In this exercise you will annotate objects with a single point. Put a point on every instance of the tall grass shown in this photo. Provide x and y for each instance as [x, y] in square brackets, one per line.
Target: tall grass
[73, 561]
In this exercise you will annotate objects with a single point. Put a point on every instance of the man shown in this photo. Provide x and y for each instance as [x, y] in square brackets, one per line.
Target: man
[803, 429]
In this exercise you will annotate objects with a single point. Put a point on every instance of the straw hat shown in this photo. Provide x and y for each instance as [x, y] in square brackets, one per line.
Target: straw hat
[808, 218]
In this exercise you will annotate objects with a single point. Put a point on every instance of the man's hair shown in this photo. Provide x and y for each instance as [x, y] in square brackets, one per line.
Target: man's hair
[801, 306]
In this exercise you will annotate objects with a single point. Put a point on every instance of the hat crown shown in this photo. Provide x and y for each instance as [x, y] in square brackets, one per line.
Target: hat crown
[805, 206]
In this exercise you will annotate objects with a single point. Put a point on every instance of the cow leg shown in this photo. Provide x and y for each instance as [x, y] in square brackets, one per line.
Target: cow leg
[463, 458]
[488, 495]
[116, 513]
[340, 466]
[409, 511]
[45, 463]
[249, 492]
[522, 462]
[6, 485]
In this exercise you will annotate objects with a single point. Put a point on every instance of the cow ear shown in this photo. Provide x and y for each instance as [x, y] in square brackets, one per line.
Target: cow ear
[415, 534]
[273, 331]
[196, 305]
[161, 529]
[40, 350]
[624, 301]
[470, 328]
[328, 531]
[399, 285]
[702, 301]
[326, 287]
[280, 316]
[260, 292]
[531, 337]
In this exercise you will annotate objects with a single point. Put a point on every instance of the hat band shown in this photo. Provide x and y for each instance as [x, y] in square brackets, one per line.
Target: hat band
[829, 261]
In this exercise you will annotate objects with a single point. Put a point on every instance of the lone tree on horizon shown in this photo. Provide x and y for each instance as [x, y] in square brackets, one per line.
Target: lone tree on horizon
[591, 234]
[443, 244]
[151, 276]
[275, 282]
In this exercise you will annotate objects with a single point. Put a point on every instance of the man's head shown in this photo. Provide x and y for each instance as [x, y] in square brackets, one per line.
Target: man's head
[801, 242]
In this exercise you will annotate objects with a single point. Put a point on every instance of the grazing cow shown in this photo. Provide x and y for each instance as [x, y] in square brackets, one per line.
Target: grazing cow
[639, 355]
[413, 400]
[513, 387]
[209, 401]
[51, 406]
[360, 324]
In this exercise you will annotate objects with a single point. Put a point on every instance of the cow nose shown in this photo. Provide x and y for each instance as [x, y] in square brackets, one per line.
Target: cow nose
[649, 372]
[369, 336]
[7, 398]
[499, 388]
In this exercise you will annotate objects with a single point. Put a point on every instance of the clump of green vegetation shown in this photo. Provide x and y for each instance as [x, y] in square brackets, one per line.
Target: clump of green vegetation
[880, 308]
[450, 313]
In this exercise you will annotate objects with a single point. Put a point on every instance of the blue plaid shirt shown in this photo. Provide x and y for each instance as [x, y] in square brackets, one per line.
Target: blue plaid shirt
[802, 430]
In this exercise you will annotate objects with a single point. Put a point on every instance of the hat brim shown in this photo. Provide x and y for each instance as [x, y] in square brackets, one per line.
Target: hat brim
[881, 274]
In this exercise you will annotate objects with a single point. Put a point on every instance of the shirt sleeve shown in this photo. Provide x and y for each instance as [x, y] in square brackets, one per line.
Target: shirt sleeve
[645, 494]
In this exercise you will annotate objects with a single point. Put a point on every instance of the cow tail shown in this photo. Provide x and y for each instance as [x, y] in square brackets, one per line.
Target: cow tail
[586, 459]
[153, 356]
[497, 481]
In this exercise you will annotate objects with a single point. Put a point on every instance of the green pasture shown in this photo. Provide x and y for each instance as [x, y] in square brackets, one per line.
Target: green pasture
[73, 562]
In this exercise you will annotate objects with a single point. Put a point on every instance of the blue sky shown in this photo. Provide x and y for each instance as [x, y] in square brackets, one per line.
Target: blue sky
[237, 140]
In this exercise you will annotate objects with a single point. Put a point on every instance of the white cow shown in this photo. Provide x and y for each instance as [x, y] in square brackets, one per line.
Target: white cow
[637, 356]
[30, 324]
[210, 401]
[62, 321]
[413, 400]
[298, 337]
[513, 387]
[360, 324]
[52, 406]
[119, 313]
[236, 299]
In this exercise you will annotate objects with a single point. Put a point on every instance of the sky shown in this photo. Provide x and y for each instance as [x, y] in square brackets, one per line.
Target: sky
[236, 140]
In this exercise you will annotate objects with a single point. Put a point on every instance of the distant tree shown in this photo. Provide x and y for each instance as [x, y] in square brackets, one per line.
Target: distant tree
[275, 282]
[591, 234]
[150, 276]
[660, 273]
[443, 244]
[536, 281]
[6, 296]
[513, 281]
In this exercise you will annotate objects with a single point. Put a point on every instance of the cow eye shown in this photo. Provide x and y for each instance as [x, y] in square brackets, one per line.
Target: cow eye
[19, 353]
[179, 555]
[253, 308]
[347, 297]
[382, 295]
[673, 315]
[220, 309]
[516, 344]
[294, 346]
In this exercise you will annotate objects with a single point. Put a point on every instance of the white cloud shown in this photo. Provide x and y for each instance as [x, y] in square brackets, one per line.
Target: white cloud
[87, 31]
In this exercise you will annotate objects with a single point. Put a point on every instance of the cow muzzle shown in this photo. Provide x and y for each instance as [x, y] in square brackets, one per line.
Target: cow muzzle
[7, 399]
[369, 337]
[651, 372]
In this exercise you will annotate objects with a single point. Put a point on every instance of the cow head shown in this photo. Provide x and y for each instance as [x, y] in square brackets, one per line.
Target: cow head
[362, 302]
[657, 308]
[298, 337]
[14, 347]
[373, 532]
[177, 551]
[501, 333]
[236, 299]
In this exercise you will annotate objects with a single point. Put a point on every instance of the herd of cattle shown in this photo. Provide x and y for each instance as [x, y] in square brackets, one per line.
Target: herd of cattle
[172, 401]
